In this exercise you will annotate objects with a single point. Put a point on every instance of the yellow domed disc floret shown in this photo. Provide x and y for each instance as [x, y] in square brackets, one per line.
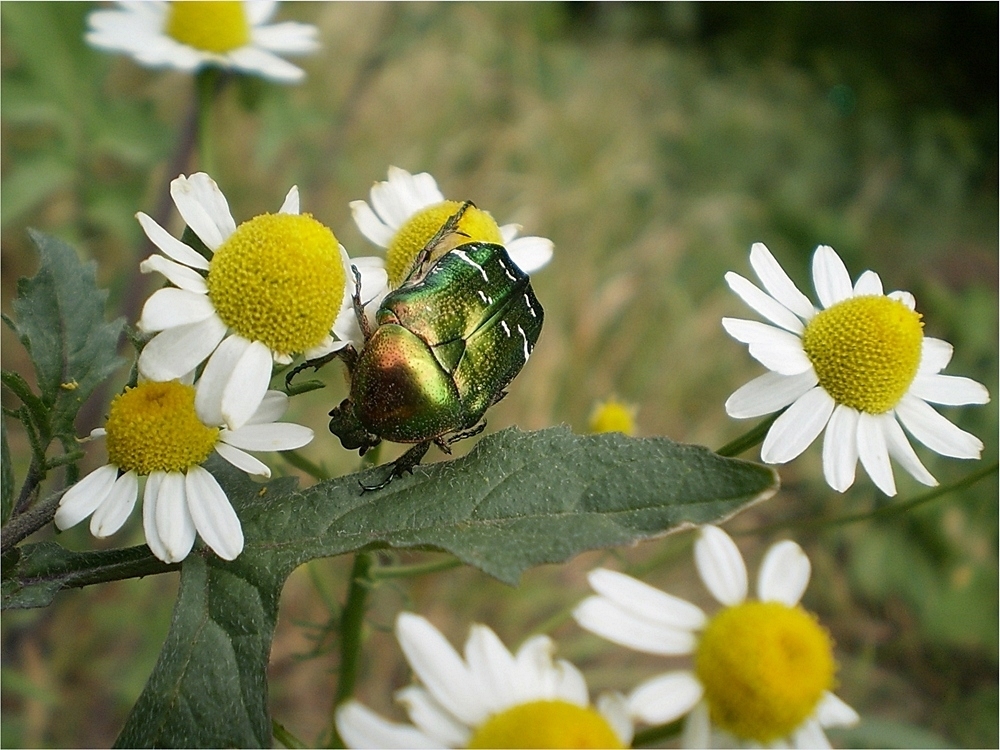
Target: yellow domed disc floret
[764, 667]
[865, 351]
[279, 279]
[213, 26]
[546, 724]
[154, 427]
[420, 228]
[612, 416]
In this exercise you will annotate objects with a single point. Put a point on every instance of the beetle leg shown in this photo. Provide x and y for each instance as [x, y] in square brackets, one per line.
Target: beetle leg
[402, 465]
[347, 353]
[463, 435]
[429, 250]
[359, 306]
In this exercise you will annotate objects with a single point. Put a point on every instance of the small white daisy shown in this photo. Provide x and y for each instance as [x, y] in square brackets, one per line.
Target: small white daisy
[859, 368]
[275, 286]
[190, 34]
[763, 670]
[491, 698]
[153, 430]
[408, 209]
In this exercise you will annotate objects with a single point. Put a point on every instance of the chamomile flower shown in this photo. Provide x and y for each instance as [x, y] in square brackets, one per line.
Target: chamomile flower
[192, 34]
[153, 431]
[491, 698]
[859, 368]
[763, 669]
[408, 209]
[612, 416]
[273, 287]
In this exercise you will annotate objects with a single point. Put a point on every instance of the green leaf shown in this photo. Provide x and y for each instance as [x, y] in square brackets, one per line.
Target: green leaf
[60, 321]
[517, 500]
[6, 475]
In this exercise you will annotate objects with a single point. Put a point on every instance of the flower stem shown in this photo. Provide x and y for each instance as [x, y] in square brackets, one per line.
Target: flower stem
[302, 463]
[207, 83]
[286, 738]
[351, 621]
[749, 439]
[379, 573]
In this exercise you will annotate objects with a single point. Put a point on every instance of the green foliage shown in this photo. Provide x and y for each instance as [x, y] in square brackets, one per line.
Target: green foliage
[6, 475]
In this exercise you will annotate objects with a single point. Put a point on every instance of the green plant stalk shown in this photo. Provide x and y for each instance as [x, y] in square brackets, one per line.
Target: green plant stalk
[302, 463]
[351, 622]
[746, 441]
[379, 573]
[657, 733]
[207, 85]
[286, 738]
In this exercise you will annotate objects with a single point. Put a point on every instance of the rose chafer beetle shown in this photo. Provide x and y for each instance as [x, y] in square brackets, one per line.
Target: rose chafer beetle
[445, 345]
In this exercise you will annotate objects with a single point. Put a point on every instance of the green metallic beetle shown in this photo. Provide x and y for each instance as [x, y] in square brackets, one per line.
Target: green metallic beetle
[446, 344]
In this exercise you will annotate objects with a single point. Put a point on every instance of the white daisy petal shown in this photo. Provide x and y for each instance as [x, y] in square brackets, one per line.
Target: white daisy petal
[431, 719]
[935, 355]
[774, 348]
[809, 736]
[327, 346]
[798, 427]
[840, 448]
[665, 698]
[265, 63]
[697, 727]
[243, 461]
[361, 727]
[606, 619]
[508, 232]
[206, 192]
[174, 525]
[830, 277]
[149, 499]
[370, 225]
[769, 393]
[247, 385]
[291, 204]
[170, 245]
[720, 565]
[406, 191]
[777, 283]
[178, 275]
[177, 351]
[271, 409]
[213, 514]
[202, 220]
[874, 453]
[764, 303]
[117, 506]
[84, 497]
[949, 390]
[530, 253]
[216, 376]
[439, 668]
[784, 574]
[273, 436]
[905, 297]
[289, 38]
[427, 190]
[260, 11]
[492, 666]
[614, 708]
[170, 307]
[868, 284]
[569, 684]
[936, 432]
[901, 450]
[833, 712]
[645, 601]
[389, 204]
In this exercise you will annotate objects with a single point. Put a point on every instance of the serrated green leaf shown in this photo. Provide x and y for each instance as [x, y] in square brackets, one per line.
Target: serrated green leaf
[517, 500]
[6, 475]
[60, 320]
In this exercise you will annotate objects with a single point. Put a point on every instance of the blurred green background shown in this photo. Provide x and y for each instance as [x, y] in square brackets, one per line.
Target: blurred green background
[653, 143]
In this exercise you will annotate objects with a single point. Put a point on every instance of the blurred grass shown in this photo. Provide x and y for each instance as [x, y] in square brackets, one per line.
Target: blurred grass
[653, 144]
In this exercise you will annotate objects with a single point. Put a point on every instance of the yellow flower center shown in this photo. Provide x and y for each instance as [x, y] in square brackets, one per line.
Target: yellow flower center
[865, 351]
[279, 279]
[764, 667]
[153, 427]
[419, 228]
[546, 724]
[213, 26]
[613, 416]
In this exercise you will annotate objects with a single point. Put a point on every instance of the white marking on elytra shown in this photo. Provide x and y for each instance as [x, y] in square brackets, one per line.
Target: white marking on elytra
[482, 295]
[527, 350]
[531, 307]
[461, 254]
[506, 328]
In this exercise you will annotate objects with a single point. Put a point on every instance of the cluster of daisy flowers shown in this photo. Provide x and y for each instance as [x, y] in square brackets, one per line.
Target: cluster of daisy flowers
[239, 301]
[763, 670]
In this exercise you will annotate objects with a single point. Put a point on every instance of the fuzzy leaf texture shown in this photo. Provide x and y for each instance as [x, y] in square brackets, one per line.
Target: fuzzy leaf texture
[60, 320]
[517, 500]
